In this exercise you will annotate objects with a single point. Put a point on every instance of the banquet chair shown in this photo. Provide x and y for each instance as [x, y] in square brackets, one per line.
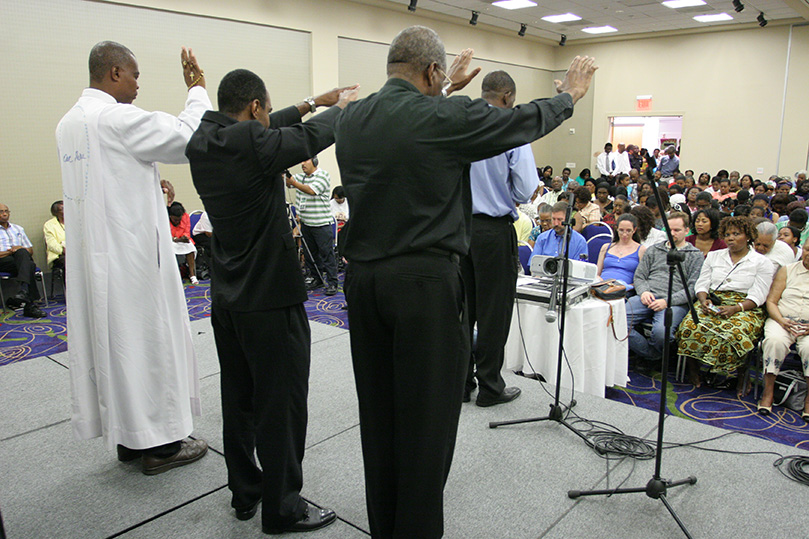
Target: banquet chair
[4, 276]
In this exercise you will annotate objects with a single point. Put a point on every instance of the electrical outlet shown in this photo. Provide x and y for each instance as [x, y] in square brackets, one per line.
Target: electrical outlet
[572, 131]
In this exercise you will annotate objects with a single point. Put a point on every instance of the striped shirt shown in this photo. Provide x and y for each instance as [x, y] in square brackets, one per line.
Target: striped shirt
[13, 235]
[314, 209]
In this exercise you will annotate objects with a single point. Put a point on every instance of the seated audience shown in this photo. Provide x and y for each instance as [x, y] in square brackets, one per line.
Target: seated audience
[550, 243]
[603, 198]
[768, 245]
[732, 286]
[778, 204]
[691, 198]
[181, 235]
[545, 222]
[565, 177]
[15, 258]
[788, 307]
[705, 201]
[339, 206]
[201, 235]
[587, 212]
[54, 231]
[792, 237]
[583, 175]
[647, 233]
[591, 185]
[619, 259]
[797, 219]
[651, 290]
[658, 212]
[523, 226]
[705, 231]
[552, 196]
[620, 206]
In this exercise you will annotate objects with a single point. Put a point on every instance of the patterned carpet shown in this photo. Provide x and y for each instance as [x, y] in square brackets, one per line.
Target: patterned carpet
[22, 338]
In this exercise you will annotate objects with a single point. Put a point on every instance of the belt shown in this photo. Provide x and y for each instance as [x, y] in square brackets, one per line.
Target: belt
[455, 257]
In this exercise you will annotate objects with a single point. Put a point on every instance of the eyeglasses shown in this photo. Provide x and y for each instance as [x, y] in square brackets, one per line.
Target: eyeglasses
[447, 83]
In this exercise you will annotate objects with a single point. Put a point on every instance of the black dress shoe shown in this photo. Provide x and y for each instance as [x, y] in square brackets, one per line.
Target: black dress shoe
[467, 395]
[313, 285]
[330, 290]
[125, 454]
[508, 395]
[312, 519]
[190, 451]
[249, 512]
[32, 311]
[15, 302]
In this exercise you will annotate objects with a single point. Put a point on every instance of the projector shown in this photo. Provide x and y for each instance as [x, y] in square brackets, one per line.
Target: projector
[548, 266]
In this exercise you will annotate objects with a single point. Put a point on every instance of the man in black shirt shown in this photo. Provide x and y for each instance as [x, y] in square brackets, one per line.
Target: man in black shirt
[257, 313]
[407, 149]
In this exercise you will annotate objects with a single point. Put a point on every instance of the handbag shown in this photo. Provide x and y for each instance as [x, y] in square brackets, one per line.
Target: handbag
[608, 290]
[790, 390]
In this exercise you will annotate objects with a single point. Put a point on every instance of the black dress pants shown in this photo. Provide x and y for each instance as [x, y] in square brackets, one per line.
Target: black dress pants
[320, 241]
[264, 359]
[490, 278]
[410, 349]
[21, 266]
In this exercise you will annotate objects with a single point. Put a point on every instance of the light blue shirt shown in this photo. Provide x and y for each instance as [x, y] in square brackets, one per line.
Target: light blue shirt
[668, 165]
[549, 243]
[13, 235]
[500, 182]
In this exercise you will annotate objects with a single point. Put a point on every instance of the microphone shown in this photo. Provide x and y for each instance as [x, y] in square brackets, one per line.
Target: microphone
[550, 315]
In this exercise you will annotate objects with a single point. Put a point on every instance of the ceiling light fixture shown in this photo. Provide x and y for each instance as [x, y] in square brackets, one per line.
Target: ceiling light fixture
[567, 17]
[738, 6]
[474, 20]
[521, 33]
[599, 29]
[412, 6]
[676, 4]
[716, 17]
[761, 20]
[563, 40]
[514, 4]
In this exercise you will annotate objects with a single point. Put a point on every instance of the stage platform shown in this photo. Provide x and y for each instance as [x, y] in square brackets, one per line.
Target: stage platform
[510, 482]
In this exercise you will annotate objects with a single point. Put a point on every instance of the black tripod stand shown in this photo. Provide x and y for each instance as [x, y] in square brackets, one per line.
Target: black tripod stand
[657, 487]
[557, 410]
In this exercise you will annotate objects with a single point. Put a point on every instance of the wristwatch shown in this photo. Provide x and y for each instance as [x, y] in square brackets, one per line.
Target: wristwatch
[311, 102]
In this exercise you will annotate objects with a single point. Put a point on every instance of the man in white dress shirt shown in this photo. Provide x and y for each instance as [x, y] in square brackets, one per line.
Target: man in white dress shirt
[620, 160]
[133, 372]
[604, 163]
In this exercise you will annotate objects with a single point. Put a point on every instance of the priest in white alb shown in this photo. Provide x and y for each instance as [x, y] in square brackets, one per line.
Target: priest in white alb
[134, 376]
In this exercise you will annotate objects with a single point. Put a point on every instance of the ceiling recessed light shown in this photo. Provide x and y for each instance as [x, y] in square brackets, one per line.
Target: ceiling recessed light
[716, 17]
[566, 17]
[599, 29]
[514, 4]
[674, 4]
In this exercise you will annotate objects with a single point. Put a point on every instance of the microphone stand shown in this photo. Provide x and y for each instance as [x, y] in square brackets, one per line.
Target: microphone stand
[556, 412]
[657, 487]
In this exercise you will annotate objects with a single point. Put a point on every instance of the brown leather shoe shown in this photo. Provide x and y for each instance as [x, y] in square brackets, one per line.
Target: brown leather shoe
[190, 451]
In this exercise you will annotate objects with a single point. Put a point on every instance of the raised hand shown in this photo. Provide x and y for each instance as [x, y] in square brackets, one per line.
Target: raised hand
[578, 77]
[333, 97]
[192, 73]
[348, 95]
[457, 71]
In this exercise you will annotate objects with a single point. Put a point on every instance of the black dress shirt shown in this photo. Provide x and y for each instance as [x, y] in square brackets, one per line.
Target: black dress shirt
[236, 167]
[404, 162]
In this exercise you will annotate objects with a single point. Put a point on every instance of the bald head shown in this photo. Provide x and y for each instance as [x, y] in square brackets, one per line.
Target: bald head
[414, 49]
[106, 55]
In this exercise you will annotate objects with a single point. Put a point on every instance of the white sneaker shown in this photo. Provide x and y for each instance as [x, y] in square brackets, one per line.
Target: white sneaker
[194, 280]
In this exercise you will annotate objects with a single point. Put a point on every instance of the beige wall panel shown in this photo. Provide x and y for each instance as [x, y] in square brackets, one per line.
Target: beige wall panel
[45, 46]
[795, 145]
[728, 87]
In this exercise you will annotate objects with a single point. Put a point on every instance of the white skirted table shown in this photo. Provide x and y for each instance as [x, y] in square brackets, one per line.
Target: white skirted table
[597, 358]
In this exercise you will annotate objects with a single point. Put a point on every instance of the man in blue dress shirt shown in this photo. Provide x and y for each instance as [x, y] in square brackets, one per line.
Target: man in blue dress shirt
[490, 268]
[551, 242]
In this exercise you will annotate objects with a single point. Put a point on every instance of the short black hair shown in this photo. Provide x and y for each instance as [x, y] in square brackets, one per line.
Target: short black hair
[498, 82]
[798, 216]
[704, 196]
[338, 192]
[104, 56]
[176, 209]
[712, 215]
[582, 194]
[54, 206]
[238, 89]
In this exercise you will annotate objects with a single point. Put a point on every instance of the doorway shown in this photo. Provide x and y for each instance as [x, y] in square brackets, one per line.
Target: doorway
[648, 132]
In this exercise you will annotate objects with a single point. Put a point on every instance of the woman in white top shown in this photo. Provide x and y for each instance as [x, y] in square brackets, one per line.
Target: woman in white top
[732, 287]
[788, 305]
[339, 205]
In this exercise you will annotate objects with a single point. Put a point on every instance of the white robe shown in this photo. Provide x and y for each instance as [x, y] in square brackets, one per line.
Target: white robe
[133, 372]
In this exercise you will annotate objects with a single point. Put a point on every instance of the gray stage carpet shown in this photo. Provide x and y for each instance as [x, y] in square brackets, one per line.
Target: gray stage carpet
[510, 482]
